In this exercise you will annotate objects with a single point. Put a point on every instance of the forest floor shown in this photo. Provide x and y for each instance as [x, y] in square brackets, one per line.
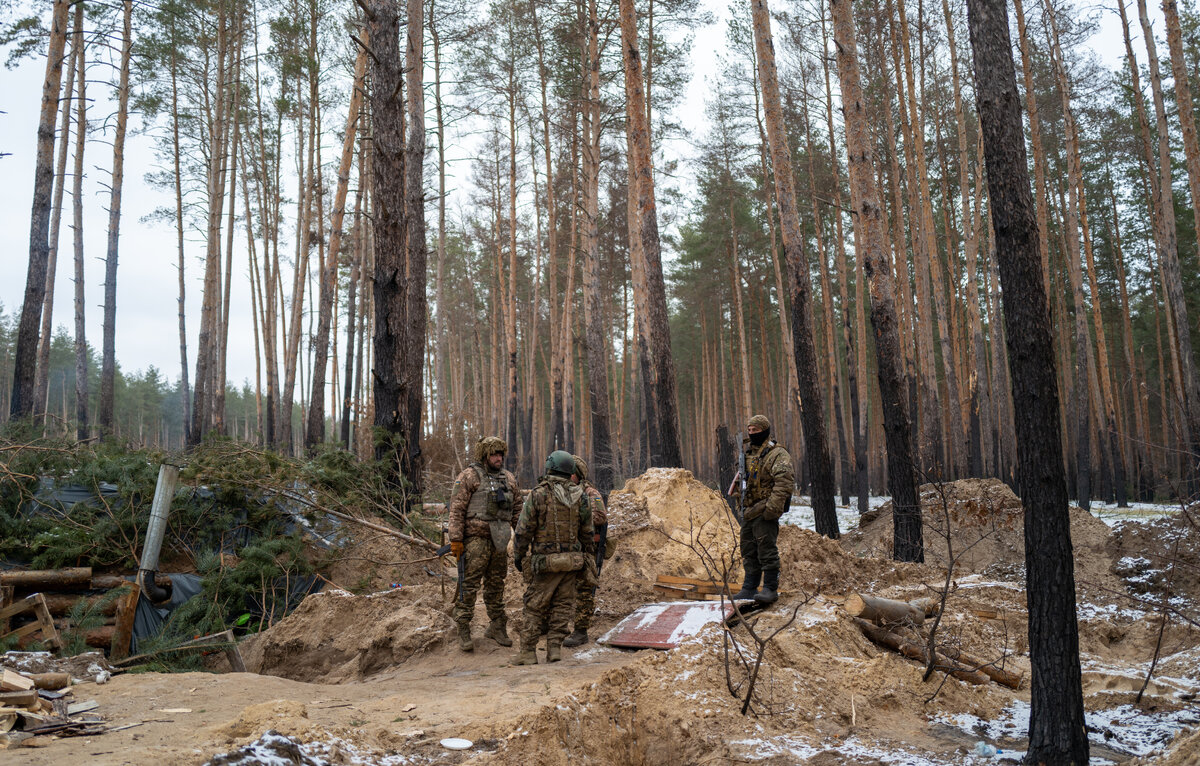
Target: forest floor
[378, 678]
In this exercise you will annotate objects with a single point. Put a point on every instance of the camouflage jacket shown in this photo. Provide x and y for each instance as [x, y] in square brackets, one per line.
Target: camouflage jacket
[769, 481]
[465, 486]
[555, 516]
[596, 504]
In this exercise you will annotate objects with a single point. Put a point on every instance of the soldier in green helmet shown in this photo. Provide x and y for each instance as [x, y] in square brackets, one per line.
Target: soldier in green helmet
[585, 594]
[483, 512]
[554, 539]
[769, 485]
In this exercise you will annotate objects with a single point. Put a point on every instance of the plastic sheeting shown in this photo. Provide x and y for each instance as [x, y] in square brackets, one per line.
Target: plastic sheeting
[149, 618]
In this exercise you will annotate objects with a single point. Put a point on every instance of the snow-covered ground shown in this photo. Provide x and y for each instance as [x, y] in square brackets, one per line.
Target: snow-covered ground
[800, 514]
[1112, 515]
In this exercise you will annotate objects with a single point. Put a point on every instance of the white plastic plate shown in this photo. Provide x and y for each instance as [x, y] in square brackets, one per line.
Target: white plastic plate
[456, 743]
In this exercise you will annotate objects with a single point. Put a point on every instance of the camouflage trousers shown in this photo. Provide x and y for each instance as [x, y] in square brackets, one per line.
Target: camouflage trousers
[760, 551]
[483, 563]
[585, 604]
[550, 599]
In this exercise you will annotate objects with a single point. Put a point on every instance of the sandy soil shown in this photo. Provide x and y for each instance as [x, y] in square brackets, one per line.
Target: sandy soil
[378, 679]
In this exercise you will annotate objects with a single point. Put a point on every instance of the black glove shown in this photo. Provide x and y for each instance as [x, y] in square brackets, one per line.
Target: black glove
[756, 510]
[519, 563]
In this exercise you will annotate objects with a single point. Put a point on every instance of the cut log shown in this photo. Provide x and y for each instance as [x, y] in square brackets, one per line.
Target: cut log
[26, 698]
[62, 603]
[928, 605]
[50, 681]
[884, 611]
[48, 579]
[123, 635]
[110, 581]
[1000, 676]
[11, 681]
[915, 651]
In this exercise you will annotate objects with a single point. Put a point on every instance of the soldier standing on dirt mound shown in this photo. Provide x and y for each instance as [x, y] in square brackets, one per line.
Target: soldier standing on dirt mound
[483, 511]
[555, 527]
[769, 485]
[585, 593]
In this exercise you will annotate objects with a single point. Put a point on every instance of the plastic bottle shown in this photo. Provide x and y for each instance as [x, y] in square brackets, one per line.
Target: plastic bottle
[984, 749]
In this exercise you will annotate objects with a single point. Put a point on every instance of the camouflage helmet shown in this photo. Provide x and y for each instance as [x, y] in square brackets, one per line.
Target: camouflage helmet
[580, 467]
[760, 422]
[488, 446]
[560, 462]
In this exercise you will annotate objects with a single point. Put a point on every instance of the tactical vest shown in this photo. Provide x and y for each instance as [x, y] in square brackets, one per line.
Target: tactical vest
[558, 531]
[759, 483]
[483, 505]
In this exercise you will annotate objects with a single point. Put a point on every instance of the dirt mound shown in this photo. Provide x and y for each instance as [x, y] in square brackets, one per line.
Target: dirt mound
[656, 517]
[334, 636]
[371, 561]
[82, 667]
[820, 682]
[1143, 553]
[986, 532]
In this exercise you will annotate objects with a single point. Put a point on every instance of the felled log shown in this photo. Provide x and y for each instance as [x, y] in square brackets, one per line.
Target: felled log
[48, 579]
[110, 581]
[50, 681]
[62, 603]
[884, 611]
[915, 651]
[1002, 677]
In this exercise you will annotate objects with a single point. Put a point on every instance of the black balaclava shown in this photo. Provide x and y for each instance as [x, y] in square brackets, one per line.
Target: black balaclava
[760, 438]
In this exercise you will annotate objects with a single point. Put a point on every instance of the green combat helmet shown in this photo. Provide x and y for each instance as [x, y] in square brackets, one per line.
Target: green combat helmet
[560, 462]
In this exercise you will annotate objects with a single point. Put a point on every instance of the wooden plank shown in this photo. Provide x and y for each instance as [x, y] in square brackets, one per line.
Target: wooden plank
[16, 608]
[49, 633]
[82, 707]
[123, 635]
[6, 599]
[665, 626]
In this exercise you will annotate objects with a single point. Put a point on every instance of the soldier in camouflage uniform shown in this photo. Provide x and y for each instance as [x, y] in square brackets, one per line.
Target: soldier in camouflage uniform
[585, 595]
[483, 511]
[769, 485]
[555, 531]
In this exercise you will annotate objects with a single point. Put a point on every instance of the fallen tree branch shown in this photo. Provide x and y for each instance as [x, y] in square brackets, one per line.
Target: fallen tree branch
[916, 652]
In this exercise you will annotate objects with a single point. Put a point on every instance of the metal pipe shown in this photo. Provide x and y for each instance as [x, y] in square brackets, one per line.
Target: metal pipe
[160, 509]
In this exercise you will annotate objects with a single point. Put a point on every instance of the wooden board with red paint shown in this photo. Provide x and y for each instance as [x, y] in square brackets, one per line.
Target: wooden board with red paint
[666, 625]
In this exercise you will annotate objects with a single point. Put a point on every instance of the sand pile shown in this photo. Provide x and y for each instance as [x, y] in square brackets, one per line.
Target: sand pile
[987, 532]
[1160, 555]
[334, 636]
[820, 682]
[656, 517]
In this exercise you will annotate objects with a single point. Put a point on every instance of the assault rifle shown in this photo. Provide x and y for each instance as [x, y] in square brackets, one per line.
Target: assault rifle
[739, 479]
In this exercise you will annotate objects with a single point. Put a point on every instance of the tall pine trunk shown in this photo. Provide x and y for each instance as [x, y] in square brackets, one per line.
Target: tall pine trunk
[414, 205]
[908, 544]
[815, 437]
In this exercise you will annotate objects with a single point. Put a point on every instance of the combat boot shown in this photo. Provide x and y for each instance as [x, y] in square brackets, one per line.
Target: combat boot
[576, 638]
[770, 591]
[526, 657]
[749, 586]
[464, 637]
[553, 652]
[498, 632]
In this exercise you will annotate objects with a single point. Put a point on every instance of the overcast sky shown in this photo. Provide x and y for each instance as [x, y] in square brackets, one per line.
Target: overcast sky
[147, 287]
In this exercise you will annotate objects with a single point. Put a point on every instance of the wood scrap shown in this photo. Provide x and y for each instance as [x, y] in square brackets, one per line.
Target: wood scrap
[11, 681]
[82, 707]
[26, 698]
[43, 622]
[123, 635]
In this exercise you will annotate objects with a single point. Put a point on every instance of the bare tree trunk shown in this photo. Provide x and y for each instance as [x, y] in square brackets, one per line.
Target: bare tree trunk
[81, 350]
[414, 203]
[108, 363]
[42, 380]
[440, 329]
[908, 544]
[816, 441]
[356, 272]
[315, 431]
[1057, 733]
[1183, 97]
[601, 441]
[25, 354]
[184, 378]
[1169, 256]
[666, 405]
[391, 342]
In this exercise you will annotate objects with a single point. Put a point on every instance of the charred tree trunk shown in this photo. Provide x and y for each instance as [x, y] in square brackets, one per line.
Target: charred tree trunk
[1057, 733]
[414, 191]
[908, 544]
[815, 437]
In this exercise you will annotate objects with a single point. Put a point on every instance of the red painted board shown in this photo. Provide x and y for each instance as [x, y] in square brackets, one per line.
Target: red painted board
[665, 625]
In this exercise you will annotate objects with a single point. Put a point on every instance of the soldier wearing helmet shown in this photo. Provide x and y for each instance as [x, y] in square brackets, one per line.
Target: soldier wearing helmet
[769, 485]
[585, 594]
[483, 512]
[555, 532]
